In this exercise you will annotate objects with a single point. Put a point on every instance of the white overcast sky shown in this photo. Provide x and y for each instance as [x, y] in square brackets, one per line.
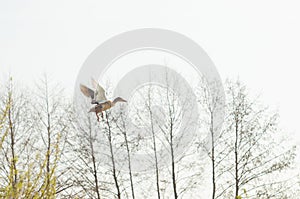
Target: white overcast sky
[259, 41]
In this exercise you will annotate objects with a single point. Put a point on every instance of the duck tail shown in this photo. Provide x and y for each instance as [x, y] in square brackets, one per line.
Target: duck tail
[92, 110]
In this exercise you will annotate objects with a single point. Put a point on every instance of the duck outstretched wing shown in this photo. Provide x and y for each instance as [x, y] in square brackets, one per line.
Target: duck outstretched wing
[100, 92]
[87, 91]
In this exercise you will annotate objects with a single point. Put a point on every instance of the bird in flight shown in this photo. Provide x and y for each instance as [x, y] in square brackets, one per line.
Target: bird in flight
[98, 98]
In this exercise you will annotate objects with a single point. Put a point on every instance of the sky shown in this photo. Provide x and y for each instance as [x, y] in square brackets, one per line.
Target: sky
[257, 41]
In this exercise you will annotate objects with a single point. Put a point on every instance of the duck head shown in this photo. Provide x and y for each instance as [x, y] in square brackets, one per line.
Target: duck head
[118, 99]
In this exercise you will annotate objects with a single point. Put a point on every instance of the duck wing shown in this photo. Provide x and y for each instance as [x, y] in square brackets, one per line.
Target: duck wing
[100, 92]
[87, 91]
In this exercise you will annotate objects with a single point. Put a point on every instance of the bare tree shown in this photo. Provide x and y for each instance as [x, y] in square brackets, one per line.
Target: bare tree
[93, 176]
[149, 106]
[161, 111]
[255, 143]
[53, 112]
[211, 100]
[181, 119]
[121, 125]
[83, 159]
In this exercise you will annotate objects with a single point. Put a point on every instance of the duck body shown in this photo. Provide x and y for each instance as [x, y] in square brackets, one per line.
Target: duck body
[100, 107]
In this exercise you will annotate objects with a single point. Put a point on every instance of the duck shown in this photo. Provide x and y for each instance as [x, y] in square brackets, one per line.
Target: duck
[98, 98]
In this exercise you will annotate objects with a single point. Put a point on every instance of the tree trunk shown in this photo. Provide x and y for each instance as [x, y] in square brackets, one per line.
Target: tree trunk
[236, 159]
[213, 157]
[112, 158]
[94, 163]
